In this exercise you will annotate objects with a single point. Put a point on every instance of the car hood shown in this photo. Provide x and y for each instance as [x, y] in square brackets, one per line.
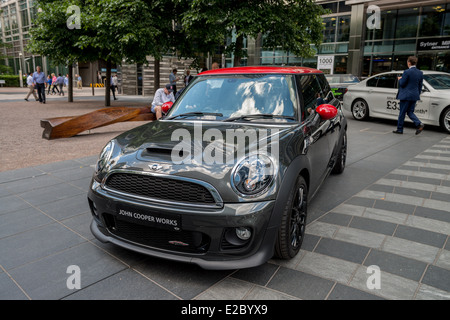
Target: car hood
[201, 150]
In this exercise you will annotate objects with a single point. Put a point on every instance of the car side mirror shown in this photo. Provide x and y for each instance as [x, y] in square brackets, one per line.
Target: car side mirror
[327, 111]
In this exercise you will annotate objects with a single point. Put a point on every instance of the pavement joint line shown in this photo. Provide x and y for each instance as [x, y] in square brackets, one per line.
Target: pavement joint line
[23, 178]
[420, 280]
[77, 233]
[249, 291]
[156, 283]
[15, 282]
[93, 283]
[276, 271]
[216, 284]
[277, 291]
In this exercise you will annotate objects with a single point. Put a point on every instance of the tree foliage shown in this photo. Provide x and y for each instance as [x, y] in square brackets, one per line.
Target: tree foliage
[110, 30]
[291, 25]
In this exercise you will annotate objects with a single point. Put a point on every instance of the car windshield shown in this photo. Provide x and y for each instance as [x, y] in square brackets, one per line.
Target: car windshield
[235, 96]
[438, 81]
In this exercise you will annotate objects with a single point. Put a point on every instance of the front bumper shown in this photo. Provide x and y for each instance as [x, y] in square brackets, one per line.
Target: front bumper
[202, 236]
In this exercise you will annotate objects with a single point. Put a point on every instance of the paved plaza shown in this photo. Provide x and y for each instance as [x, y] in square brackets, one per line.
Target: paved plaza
[388, 214]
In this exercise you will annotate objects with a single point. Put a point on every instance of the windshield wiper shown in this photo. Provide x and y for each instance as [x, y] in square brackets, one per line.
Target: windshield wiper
[258, 116]
[189, 114]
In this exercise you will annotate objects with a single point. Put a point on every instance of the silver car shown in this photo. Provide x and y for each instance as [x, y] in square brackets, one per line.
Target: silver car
[376, 97]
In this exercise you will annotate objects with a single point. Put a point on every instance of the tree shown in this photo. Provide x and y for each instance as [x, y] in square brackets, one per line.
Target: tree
[111, 30]
[3, 67]
[51, 37]
[291, 25]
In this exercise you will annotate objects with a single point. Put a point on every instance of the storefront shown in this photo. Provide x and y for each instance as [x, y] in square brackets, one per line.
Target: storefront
[403, 25]
[405, 28]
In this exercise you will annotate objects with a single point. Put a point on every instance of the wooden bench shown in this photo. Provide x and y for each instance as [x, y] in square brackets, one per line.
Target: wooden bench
[65, 127]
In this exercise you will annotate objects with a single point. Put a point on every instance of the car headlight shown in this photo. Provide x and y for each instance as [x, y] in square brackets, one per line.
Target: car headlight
[105, 157]
[253, 175]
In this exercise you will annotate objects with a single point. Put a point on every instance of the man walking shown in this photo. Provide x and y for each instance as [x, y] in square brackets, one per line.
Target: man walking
[410, 88]
[39, 83]
[30, 87]
[60, 82]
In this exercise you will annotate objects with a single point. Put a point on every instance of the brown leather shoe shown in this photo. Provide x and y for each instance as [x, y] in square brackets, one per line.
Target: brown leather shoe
[420, 128]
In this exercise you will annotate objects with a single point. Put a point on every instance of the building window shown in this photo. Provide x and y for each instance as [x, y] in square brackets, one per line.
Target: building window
[343, 32]
[329, 32]
[446, 27]
[407, 22]
[432, 21]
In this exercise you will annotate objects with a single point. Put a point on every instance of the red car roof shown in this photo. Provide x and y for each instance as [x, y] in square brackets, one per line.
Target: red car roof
[260, 69]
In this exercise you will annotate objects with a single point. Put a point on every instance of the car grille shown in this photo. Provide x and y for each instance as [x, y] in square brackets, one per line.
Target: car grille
[180, 241]
[159, 188]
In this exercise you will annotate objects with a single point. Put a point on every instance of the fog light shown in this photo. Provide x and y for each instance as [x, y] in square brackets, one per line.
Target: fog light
[243, 233]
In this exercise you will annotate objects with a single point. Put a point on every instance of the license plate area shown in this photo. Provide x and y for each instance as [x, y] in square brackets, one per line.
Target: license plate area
[149, 218]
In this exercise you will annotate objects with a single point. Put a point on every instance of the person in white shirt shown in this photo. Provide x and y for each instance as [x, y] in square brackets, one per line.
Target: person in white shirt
[31, 87]
[162, 96]
[113, 86]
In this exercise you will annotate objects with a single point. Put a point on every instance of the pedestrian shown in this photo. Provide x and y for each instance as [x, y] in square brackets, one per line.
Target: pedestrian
[60, 83]
[79, 82]
[66, 81]
[39, 83]
[409, 90]
[162, 96]
[30, 87]
[54, 84]
[173, 80]
[116, 83]
[215, 65]
[113, 86]
[49, 83]
[187, 78]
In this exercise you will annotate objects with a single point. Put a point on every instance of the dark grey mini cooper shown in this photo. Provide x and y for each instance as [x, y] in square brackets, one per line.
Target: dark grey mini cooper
[224, 179]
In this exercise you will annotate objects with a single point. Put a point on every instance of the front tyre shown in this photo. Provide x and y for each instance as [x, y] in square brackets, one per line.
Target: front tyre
[360, 110]
[293, 222]
[445, 120]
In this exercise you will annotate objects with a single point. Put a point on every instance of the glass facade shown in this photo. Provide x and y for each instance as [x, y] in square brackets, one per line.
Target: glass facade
[383, 49]
[388, 48]
[16, 19]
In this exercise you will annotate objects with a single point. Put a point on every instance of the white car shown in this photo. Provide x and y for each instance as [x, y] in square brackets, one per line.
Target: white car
[376, 97]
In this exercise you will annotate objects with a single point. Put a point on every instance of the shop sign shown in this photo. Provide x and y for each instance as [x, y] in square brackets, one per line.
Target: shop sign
[325, 63]
[433, 44]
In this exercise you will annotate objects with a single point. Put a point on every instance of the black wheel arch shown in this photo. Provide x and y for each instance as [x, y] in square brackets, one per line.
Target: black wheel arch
[298, 167]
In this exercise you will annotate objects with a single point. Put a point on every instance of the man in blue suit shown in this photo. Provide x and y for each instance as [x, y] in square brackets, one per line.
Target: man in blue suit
[410, 88]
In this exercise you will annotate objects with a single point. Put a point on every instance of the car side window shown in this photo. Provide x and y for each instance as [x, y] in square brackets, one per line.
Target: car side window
[372, 82]
[387, 81]
[326, 89]
[310, 89]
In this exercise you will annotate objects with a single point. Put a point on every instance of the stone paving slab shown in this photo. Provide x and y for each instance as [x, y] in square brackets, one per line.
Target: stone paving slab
[390, 220]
